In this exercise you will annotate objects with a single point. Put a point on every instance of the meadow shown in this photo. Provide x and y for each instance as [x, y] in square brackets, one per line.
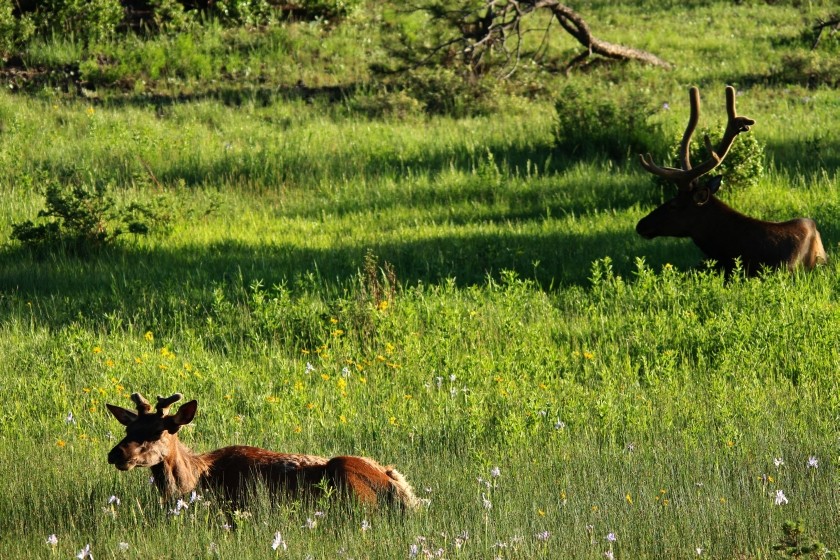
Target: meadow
[461, 295]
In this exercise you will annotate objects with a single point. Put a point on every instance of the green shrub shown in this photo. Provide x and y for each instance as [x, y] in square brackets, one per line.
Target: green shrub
[14, 32]
[86, 20]
[744, 164]
[606, 122]
[170, 15]
[387, 104]
[82, 220]
[443, 91]
[796, 543]
[808, 68]
[243, 12]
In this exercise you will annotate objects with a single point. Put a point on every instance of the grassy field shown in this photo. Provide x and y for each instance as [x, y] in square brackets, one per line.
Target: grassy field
[453, 295]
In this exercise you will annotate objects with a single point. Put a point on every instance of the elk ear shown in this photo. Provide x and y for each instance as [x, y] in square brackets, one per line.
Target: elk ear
[701, 195]
[713, 184]
[123, 416]
[184, 415]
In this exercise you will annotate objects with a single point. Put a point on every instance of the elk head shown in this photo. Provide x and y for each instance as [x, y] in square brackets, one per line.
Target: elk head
[150, 436]
[685, 213]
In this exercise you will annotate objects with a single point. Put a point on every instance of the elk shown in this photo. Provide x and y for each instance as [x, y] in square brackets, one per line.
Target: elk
[721, 232]
[151, 440]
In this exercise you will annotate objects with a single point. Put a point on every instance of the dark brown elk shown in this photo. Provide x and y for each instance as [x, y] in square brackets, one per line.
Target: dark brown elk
[722, 233]
[151, 440]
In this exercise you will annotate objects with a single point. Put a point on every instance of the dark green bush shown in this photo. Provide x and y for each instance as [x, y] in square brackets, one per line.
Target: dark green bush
[86, 20]
[443, 91]
[14, 32]
[385, 104]
[606, 123]
[82, 220]
[808, 68]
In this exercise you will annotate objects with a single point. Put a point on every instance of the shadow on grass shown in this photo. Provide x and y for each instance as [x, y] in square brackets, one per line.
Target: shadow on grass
[807, 156]
[150, 287]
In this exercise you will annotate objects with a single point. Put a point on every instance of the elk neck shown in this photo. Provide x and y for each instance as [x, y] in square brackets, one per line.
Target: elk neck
[722, 231]
[180, 471]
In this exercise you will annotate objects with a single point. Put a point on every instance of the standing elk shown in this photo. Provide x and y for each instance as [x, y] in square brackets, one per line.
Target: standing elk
[151, 440]
[722, 233]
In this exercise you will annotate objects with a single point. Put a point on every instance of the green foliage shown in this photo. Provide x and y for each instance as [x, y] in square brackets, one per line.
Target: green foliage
[744, 165]
[170, 16]
[811, 69]
[243, 12]
[385, 104]
[446, 91]
[795, 543]
[86, 20]
[606, 121]
[14, 31]
[322, 10]
[83, 220]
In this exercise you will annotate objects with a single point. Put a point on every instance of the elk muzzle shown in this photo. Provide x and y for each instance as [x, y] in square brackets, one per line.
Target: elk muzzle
[122, 457]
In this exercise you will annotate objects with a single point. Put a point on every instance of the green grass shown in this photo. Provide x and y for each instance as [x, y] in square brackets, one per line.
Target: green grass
[448, 295]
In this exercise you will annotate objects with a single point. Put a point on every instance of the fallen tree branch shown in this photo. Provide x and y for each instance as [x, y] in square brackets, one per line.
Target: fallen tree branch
[497, 27]
[821, 25]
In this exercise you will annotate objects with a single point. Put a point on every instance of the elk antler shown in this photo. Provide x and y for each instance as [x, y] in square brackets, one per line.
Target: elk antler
[143, 406]
[163, 404]
[685, 177]
[734, 125]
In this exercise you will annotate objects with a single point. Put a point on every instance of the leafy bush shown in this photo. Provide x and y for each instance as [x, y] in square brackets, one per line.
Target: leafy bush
[796, 543]
[14, 32]
[606, 122]
[743, 166]
[808, 68]
[397, 104]
[86, 20]
[82, 220]
[243, 12]
[170, 15]
[443, 91]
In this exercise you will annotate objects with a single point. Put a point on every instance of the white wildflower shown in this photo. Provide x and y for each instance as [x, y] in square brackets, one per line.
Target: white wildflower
[278, 542]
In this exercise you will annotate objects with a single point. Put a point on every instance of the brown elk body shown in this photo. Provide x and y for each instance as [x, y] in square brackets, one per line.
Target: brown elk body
[152, 441]
[721, 232]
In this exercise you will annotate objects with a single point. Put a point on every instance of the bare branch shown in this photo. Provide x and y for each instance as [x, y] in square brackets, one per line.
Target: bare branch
[498, 25]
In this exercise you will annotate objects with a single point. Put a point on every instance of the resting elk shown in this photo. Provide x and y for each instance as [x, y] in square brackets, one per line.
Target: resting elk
[152, 441]
[722, 233]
